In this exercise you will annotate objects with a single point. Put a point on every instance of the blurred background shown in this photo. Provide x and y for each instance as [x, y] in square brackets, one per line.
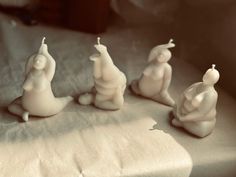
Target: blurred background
[203, 30]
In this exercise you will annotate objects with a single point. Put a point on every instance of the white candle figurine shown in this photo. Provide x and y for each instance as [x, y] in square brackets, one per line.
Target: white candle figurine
[196, 109]
[109, 82]
[38, 98]
[155, 79]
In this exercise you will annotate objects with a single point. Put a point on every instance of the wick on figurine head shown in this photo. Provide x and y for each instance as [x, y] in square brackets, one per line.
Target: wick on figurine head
[98, 40]
[43, 40]
[213, 66]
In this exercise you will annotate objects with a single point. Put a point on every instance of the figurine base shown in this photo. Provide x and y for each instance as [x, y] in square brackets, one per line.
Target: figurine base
[200, 129]
[16, 108]
[92, 98]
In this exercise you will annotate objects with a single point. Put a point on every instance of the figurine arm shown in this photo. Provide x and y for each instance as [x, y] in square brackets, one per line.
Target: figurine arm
[97, 69]
[190, 90]
[29, 64]
[166, 79]
[107, 69]
[153, 54]
[51, 66]
[180, 103]
[200, 113]
[110, 73]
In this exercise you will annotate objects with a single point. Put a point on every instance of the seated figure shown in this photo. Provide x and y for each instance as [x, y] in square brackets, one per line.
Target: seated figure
[109, 82]
[196, 109]
[155, 79]
[38, 98]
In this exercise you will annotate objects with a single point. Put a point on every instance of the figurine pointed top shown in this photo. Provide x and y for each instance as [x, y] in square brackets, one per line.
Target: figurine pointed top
[98, 40]
[170, 44]
[213, 66]
[43, 40]
[158, 49]
[43, 48]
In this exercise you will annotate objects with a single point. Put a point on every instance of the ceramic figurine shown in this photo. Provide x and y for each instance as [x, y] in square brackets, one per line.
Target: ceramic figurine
[38, 98]
[196, 109]
[155, 79]
[109, 82]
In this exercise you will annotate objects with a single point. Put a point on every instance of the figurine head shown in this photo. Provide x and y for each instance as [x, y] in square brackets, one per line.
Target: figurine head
[103, 55]
[40, 62]
[161, 53]
[211, 76]
[164, 56]
[101, 48]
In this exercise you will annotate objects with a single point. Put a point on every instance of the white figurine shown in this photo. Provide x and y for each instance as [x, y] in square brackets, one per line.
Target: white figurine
[109, 82]
[196, 109]
[38, 98]
[156, 77]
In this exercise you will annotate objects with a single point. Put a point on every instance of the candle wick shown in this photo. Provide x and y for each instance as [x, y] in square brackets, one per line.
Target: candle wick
[213, 66]
[98, 40]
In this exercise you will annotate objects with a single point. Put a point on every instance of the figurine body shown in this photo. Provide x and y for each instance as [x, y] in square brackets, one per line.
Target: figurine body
[156, 78]
[109, 82]
[196, 109]
[38, 98]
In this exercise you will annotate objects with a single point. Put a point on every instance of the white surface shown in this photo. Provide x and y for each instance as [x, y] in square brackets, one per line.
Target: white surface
[114, 149]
